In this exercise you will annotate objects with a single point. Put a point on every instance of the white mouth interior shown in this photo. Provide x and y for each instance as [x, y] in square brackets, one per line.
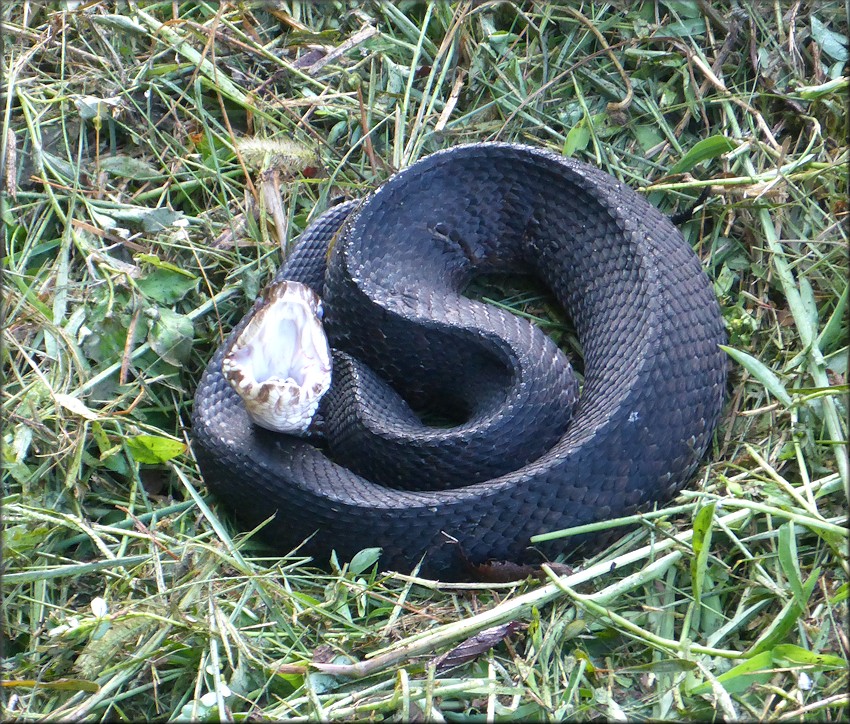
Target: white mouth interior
[280, 363]
[278, 351]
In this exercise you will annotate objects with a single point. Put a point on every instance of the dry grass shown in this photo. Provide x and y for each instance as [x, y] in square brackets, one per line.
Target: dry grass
[137, 228]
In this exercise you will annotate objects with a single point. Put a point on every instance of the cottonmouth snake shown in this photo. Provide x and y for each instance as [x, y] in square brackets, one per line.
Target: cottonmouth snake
[517, 460]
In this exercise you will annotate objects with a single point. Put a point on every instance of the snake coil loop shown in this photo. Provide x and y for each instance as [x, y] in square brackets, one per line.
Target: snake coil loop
[527, 455]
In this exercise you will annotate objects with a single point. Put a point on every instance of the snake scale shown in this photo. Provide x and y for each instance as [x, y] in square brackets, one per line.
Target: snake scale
[519, 452]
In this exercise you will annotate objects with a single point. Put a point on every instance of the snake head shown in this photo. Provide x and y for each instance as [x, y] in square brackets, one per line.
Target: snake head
[280, 363]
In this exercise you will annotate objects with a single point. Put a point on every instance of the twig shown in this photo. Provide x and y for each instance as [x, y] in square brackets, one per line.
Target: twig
[360, 36]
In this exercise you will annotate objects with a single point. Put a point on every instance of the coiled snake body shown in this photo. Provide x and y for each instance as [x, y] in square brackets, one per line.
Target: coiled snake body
[521, 458]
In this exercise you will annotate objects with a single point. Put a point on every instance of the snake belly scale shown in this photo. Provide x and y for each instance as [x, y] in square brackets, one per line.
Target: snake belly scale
[524, 457]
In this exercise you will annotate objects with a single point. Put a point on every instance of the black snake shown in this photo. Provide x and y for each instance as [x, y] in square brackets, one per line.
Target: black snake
[515, 456]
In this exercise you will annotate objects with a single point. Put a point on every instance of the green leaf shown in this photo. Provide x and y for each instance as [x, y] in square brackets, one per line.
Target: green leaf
[129, 167]
[830, 42]
[577, 138]
[788, 561]
[808, 315]
[702, 545]
[151, 220]
[501, 40]
[834, 332]
[760, 668]
[363, 560]
[841, 594]
[760, 372]
[791, 655]
[20, 540]
[787, 619]
[75, 405]
[57, 684]
[685, 28]
[60, 166]
[119, 23]
[171, 336]
[165, 286]
[647, 136]
[683, 8]
[756, 670]
[704, 150]
[814, 92]
[154, 260]
[152, 449]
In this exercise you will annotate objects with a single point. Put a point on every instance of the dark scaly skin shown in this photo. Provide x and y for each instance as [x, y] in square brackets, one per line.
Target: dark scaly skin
[645, 314]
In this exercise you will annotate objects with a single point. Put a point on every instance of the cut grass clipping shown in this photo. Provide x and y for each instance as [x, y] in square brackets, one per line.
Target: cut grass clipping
[156, 159]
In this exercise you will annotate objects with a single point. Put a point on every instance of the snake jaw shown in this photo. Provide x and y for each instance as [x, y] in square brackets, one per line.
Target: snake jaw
[280, 364]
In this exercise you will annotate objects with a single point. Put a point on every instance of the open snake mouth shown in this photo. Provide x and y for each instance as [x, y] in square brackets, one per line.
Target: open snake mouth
[280, 364]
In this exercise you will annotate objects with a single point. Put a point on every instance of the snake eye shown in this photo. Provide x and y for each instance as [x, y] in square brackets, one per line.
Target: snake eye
[320, 311]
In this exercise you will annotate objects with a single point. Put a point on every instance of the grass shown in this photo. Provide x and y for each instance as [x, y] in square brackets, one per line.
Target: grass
[137, 228]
